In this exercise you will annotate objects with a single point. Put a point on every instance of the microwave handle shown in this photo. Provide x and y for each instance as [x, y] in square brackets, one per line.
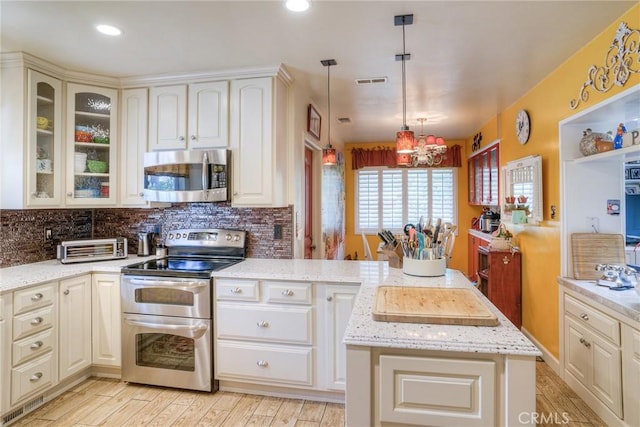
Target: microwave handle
[205, 171]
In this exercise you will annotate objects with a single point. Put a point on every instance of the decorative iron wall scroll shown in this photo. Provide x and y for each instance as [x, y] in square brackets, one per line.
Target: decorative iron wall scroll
[621, 60]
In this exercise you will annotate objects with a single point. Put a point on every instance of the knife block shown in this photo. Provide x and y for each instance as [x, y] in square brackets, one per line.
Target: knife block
[394, 255]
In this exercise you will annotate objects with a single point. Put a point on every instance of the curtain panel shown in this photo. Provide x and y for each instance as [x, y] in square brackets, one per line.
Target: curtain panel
[381, 156]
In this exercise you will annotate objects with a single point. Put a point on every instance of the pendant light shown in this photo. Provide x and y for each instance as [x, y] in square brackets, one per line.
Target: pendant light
[328, 153]
[405, 140]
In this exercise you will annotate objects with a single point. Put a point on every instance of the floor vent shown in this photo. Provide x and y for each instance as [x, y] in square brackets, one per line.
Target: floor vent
[344, 120]
[373, 80]
[25, 409]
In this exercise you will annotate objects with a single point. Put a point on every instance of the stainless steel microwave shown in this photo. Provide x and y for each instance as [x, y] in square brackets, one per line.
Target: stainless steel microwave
[187, 176]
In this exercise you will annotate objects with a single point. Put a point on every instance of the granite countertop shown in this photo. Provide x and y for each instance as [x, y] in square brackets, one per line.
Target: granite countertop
[625, 302]
[362, 330]
[22, 276]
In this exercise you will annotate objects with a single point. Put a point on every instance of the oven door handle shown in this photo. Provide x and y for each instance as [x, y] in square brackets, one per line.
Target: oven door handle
[195, 331]
[169, 284]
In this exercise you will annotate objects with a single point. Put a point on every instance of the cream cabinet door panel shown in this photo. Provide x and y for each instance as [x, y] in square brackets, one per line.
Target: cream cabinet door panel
[433, 391]
[105, 325]
[338, 303]
[168, 118]
[209, 115]
[133, 146]
[75, 325]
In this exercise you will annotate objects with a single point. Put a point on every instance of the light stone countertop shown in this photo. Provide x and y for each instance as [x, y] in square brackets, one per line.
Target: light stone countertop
[362, 330]
[625, 302]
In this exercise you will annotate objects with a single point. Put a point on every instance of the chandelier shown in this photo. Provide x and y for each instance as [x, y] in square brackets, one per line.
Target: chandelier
[429, 149]
[405, 138]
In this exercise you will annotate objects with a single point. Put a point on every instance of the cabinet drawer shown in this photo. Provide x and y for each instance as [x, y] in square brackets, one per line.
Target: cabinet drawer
[32, 298]
[281, 324]
[32, 322]
[237, 290]
[433, 391]
[32, 346]
[271, 363]
[593, 318]
[288, 292]
[32, 377]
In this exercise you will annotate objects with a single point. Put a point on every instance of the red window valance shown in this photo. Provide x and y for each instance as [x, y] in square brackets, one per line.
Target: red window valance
[381, 156]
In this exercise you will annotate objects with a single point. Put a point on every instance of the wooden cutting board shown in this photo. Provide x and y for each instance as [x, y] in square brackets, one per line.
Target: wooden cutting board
[591, 249]
[442, 306]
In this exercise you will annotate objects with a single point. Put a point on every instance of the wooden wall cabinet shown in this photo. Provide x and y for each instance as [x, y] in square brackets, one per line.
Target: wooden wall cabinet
[499, 280]
[484, 177]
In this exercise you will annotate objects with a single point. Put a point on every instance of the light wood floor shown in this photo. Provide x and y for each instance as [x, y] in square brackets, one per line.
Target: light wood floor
[107, 402]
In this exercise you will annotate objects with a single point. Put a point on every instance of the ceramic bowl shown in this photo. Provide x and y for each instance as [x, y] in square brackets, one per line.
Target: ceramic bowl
[97, 166]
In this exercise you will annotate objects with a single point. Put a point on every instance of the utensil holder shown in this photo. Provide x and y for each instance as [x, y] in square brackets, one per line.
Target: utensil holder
[424, 267]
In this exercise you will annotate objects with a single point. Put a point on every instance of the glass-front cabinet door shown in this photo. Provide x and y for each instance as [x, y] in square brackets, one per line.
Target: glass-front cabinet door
[91, 145]
[44, 130]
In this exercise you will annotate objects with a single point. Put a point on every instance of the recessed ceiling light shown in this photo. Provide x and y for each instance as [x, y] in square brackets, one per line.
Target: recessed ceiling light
[109, 30]
[297, 5]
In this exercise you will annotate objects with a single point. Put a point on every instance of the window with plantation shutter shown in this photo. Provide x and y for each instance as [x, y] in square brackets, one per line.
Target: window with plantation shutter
[390, 198]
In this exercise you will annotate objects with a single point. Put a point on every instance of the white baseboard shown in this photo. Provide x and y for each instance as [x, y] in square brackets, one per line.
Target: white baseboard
[549, 358]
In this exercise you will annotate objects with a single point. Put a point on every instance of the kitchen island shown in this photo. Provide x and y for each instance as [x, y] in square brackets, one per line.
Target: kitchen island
[471, 375]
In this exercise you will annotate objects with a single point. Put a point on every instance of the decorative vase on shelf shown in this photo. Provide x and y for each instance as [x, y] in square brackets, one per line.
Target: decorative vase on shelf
[591, 140]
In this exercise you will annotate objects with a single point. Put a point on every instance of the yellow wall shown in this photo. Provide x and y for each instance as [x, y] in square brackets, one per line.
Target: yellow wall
[547, 104]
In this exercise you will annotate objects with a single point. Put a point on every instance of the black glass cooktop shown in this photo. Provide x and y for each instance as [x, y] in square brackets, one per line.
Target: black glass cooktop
[179, 267]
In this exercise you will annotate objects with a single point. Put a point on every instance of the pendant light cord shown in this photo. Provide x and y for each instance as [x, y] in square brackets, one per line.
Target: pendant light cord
[329, 104]
[404, 81]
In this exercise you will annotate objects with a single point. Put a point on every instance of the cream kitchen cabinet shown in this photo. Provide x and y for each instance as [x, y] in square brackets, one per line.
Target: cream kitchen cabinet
[264, 332]
[260, 142]
[189, 116]
[91, 145]
[5, 355]
[105, 323]
[75, 325]
[34, 353]
[133, 144]
[335, 306]
[44, 132]
[592, 355]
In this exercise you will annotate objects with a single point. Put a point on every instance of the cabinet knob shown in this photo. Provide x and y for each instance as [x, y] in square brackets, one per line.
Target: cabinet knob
[193, 137]
[36, 297]
[263, 324]
[262, 363]
[66, 292]
[236, 291]
[36, 345]
[181, 138]
[585, 342]
[69, 194]
[36, 321]
[584, 316]
[329, 298]
[287, 293]
[505, 260]
[35, 377]
[141, 194]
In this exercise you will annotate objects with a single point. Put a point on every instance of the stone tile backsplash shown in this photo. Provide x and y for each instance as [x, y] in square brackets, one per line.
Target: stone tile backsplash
[23, 230]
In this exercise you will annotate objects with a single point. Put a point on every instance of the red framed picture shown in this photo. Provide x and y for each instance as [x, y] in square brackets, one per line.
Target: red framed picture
[313, 121]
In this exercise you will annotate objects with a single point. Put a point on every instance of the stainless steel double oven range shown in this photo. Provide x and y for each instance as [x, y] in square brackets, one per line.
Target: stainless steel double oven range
[167, 309]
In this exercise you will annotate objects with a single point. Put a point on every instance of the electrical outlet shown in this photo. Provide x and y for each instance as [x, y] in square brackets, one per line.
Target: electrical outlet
[593, 224]
[48, 234]
[277, 232]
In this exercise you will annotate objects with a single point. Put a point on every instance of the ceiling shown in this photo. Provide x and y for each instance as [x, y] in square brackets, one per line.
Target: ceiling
[469, 59]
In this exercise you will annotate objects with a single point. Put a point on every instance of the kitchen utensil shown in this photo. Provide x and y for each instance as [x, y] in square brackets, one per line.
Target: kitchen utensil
[146, 243]
[444, 306]
[591, 249]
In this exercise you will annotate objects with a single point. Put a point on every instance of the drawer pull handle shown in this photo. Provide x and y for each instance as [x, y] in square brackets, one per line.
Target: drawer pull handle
[37, 321]
[287, 293]
[236, 291]
[505, 260]
[329, 298]
[66, 292]
[262, 363]
[36, 345]
[584, 316]
[35, 377]
[37, 297]
[263, 324]
[585, 343]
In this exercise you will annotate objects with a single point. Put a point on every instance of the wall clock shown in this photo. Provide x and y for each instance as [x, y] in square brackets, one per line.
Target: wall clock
[523, 126]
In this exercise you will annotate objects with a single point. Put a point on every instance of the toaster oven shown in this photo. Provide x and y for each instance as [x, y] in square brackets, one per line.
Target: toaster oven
[92, 250]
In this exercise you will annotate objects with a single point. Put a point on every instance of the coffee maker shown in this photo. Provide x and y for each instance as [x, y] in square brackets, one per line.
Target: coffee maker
[489, 221]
